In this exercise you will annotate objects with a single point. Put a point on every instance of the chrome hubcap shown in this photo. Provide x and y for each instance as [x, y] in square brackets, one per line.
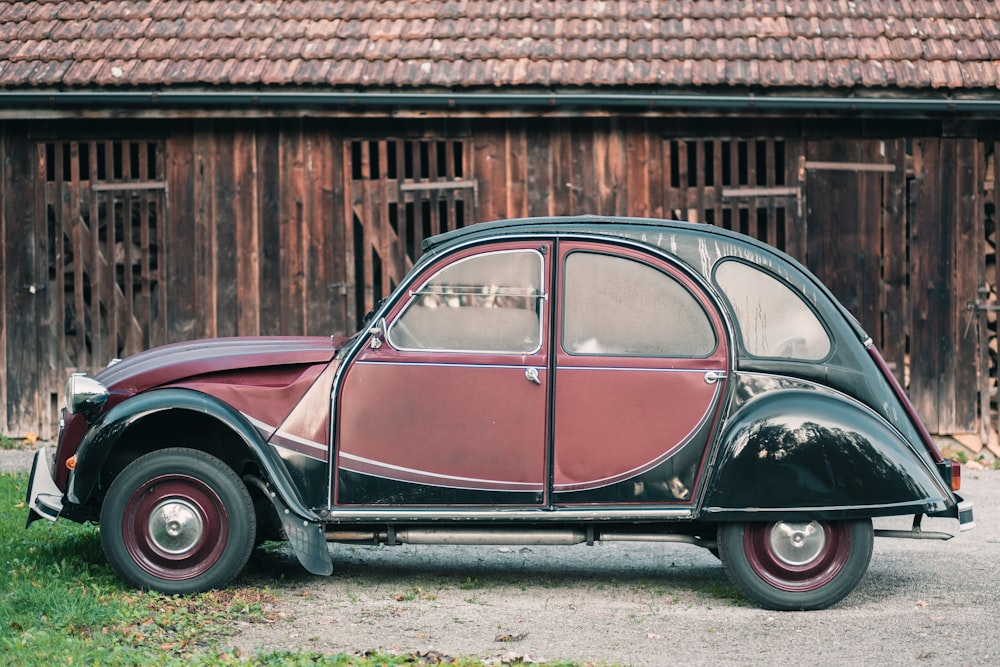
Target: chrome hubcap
[797, 544]
[175, 526]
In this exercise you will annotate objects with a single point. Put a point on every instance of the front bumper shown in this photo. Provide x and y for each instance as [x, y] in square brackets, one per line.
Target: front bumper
[45, 500]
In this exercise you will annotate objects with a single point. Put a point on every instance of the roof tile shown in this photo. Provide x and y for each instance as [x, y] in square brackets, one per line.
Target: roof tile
[874, 44]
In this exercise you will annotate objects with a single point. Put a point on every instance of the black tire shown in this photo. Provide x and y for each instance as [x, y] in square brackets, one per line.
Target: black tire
[178, 521]
[796, 565]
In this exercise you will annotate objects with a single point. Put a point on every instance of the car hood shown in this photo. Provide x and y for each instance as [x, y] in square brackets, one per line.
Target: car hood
[170, 363]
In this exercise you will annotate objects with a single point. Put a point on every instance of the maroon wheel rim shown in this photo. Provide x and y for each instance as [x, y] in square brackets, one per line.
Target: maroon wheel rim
[175, 527]
[797, 557]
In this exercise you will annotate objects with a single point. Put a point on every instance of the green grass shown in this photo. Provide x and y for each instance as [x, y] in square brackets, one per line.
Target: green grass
[61, 604]
[7, 442]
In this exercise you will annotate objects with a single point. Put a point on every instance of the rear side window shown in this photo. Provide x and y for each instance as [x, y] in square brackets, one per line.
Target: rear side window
[618, 306]
[774, 321]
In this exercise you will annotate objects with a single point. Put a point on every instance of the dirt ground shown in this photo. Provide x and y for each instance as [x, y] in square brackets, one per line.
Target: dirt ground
[639, 604]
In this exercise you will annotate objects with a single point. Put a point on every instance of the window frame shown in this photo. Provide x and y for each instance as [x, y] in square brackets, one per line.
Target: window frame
[645, 261]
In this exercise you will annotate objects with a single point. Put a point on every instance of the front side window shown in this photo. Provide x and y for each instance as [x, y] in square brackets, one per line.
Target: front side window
[618, 306]
[774, 321]
[484, 303]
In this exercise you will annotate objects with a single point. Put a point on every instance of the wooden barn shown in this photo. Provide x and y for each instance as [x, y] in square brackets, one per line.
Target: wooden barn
[182, 168]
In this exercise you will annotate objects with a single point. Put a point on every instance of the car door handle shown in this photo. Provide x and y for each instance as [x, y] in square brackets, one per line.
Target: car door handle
[711, 377]
[532, 375]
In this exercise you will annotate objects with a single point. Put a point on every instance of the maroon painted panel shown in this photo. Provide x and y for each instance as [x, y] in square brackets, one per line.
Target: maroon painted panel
[616, 423]
[462, 426]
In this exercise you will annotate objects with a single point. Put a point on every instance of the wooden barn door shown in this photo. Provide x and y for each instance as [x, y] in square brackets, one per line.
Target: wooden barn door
[894, 231]
[400, 192]
[101, 220]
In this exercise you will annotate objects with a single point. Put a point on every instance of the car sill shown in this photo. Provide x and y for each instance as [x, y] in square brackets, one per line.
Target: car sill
[349, 515]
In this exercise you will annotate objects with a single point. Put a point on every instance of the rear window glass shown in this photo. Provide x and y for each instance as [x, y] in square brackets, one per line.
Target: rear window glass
[774, 321]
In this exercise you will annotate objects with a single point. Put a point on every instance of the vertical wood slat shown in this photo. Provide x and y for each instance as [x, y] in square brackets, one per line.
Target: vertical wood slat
[291, 203]
[752, 222]
[203, 249]
[350, 243]
[965, 211]
[717, 182]
[895, 321]
[925, 281]
[796, 231]
[159, 329]
[516, 163]
[56, 208]
[734, 180]
[539, 169]
[638, 199]
[770, 235]
[269, 205]
[100, 343]
[246, 231]
[700, 148]
[144, 260]
[684, 177]
[945, 296]
[73, 221]
[388, 242]
[228, 257]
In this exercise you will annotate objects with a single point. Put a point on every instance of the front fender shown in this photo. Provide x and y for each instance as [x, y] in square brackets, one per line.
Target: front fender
[820, 454]
[102, 437]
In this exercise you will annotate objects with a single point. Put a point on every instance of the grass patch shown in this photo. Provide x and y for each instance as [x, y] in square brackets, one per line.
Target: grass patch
[61, 604]
[7, 442]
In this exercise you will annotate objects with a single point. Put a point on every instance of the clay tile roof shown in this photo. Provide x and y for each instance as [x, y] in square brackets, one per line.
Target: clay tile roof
[466, 44]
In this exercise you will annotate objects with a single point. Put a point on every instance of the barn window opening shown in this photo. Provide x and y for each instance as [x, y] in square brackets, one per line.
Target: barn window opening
[402, 191]
[104, 204]
[738, 184]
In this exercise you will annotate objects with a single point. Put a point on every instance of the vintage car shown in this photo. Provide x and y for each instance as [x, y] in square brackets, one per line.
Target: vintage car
[537, 381]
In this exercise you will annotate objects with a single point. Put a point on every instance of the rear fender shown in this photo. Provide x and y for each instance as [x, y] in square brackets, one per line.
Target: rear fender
[101, 439]
[797, 451]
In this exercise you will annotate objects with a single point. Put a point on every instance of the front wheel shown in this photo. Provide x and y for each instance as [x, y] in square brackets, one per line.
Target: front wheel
[796, 565]
[178, 521]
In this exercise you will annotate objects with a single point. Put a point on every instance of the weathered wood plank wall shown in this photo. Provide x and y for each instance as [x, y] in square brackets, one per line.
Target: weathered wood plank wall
[292, 226]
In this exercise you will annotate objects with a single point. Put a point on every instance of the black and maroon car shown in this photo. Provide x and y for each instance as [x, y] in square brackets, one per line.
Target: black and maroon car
[540, 381]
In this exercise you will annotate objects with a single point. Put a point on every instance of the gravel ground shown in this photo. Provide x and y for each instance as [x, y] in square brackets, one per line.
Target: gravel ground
[634, 604]
[640, 604]
[16, 460]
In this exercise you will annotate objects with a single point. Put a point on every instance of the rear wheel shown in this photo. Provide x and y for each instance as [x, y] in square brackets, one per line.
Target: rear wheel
[796, 565]
[178, 521]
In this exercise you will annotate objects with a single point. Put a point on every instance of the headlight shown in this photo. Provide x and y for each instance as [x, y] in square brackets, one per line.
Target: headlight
[84, 394]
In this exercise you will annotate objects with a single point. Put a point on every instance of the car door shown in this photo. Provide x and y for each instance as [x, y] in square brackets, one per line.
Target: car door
[450, 405]
[640, 368]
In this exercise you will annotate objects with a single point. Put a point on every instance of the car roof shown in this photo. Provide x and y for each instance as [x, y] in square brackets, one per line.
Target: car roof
[682, 239]
[579, 223]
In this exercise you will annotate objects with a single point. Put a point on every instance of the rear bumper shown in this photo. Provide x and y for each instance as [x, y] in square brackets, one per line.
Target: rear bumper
[965, 519]
[961, 510]
[45, 499]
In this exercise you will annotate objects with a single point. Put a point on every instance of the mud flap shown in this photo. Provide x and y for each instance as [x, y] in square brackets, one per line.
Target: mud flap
[306, 537]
